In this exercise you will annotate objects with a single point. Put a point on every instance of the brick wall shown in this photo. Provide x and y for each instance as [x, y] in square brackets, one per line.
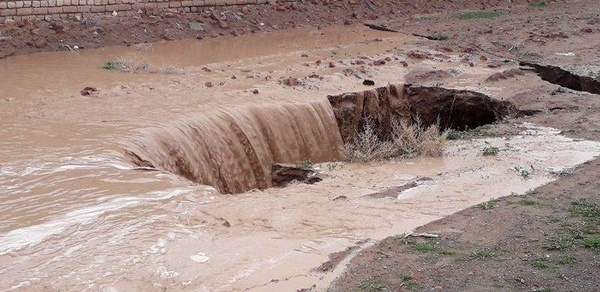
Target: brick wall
[18, 10]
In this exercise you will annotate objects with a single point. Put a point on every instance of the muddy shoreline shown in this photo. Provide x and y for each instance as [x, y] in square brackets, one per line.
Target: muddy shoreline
[30, 36]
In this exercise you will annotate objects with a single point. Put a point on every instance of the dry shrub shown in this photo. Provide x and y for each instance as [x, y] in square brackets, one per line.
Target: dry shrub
[369, 146]
[408, 139]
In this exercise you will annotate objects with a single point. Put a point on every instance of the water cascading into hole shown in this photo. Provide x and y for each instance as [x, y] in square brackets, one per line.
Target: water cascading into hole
[233, 150]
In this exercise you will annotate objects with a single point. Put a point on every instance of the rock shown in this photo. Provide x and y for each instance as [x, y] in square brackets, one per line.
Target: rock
[223, 24]
[10, 23]
[505, 75]
[423, 76]
[283, 174]
[368, 82]
[255, 91]
[196, 26]
[378, 62]
[291, 81]
[393, 192]
[114, 13]
[40, 43]
[331, 65]
[87, 91]
[587, 30]
[245, 10]
[208, 84]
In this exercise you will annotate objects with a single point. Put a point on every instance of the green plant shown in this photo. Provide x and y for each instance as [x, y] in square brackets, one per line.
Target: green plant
[431, 248]
[593, 242]
[566, 260]
[491, 204]
[112, 65]
[426, 247]
[525, 174]
[453, 135]
[527, 202]
[130, 66]
[540, 264]
[306, 164]
[478, 14]
[490, 151]
[559, 242]
[331, 166]
[374, 285]
[539, 4]
[585, 209]
[481, 254]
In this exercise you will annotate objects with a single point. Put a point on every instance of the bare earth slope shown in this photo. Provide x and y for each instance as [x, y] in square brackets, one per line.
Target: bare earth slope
[547, 240]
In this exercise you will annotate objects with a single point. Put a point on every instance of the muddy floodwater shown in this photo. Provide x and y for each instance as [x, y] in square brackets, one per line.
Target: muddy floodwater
[75, 214]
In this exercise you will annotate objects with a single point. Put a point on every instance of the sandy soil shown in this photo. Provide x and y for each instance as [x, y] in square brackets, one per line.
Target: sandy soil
[546, 240]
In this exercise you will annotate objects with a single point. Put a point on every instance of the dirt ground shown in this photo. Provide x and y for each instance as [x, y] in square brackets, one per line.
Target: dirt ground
[547, 240]
[25, 37]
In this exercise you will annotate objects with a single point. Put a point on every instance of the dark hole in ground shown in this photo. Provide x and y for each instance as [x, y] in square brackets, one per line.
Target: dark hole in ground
[559, 76]
[448, 108]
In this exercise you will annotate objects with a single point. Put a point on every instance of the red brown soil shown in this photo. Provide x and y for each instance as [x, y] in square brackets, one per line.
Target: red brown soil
[535, 242]
[24, 37]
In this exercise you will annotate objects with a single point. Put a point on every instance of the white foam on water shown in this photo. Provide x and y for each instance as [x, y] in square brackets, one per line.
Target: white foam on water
[35, 234]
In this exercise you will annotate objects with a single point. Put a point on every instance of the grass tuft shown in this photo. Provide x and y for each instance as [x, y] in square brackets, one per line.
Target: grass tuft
[566, 260]
[491, 204]
[374, 285]
[431, 248]
[559, 242]
[130, 66]
[482, 254]
[592, 242]
[478, 14]
[539, 4]
[490, 151]
[583, 208]
[541, 264]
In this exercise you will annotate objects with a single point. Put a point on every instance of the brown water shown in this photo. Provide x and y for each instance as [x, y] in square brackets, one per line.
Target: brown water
[233, 150]
[75, 215]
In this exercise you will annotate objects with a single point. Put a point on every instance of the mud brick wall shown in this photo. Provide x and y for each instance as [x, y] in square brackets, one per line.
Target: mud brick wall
[61, 9]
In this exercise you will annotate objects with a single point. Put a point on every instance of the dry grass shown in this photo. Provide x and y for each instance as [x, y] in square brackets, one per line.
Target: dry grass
[408, 139]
